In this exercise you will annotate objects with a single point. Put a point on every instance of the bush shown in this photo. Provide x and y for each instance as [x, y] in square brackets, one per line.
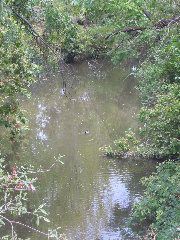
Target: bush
[16, 184]
[123, 146]
[160, 204]
[160, 134]
[160, 69]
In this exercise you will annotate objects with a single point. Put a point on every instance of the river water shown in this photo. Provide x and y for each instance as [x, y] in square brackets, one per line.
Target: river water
[89, 197]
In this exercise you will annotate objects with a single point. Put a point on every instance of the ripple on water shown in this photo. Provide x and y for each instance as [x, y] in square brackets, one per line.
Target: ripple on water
[90, 198]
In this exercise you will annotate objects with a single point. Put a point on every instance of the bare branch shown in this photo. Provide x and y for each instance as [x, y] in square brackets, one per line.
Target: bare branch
[11, 222]
[31, 228]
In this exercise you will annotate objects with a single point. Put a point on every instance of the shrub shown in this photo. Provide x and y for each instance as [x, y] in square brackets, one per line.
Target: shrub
[160, 204]
[160, 132]
[16, 183]
[123, 146]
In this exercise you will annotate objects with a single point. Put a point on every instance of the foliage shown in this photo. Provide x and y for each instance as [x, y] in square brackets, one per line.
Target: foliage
[114, 17]
[159, 91]
[160, 204]
[17, 72]
[14, 187]
[160, 132]
[60, 28]
[16, 184]
[158, 86]
[156, 46]
[160, 68]
[94, 28]
[123, 146]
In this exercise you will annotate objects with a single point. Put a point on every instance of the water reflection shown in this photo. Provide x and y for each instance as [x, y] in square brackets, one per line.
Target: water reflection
[89, 197]
[42, 120]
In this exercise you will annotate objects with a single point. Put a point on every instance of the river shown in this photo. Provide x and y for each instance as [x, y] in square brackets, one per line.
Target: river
[89, 197]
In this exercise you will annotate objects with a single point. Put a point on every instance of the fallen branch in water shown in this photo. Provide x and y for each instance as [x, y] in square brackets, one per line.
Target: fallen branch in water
[11, 222]
[49, 169]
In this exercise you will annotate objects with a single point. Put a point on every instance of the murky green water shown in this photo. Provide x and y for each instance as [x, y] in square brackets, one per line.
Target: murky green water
[88, 197]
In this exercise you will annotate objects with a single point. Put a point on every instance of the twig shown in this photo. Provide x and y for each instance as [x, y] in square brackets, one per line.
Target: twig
[45, 170]
[31, 228]
[11, 222]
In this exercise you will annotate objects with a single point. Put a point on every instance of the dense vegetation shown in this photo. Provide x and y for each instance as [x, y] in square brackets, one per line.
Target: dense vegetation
[160, 204]
[145, 31]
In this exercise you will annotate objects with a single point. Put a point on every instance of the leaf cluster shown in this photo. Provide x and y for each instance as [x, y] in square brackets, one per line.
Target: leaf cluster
[160, 204]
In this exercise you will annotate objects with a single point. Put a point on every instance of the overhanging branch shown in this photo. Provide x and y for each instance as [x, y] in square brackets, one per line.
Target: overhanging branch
[159, 25]
[32, 30]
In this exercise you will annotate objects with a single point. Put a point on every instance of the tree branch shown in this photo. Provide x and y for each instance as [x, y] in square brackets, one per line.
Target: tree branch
[166, 22]
[31, 228]
[32, 30]
[160, 24]
[11, 222]
[146, 13]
